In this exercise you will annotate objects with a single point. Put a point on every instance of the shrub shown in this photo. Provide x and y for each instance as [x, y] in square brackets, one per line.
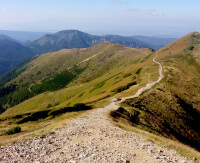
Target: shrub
[49, 106]
[138, 71]
[191, 48]
[38, 73]
[13, 130]
[80, 95]
[122, 88]
[132, 83]
[147, 57]
[98, 86]
[81, 106]
[127, 75]
[34, 116]
[76, 107]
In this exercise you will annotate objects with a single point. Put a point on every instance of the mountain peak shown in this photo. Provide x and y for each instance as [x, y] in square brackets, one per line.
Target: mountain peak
[68, 39]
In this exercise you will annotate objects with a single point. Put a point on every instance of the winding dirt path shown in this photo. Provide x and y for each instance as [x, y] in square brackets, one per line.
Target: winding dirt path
[91, 138]
[87, 59]
[148, 85]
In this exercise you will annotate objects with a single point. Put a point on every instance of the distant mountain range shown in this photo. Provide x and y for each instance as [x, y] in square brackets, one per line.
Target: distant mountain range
[4, 37]
[69, 39]
[23, 36]
[159, 42]
[47, 85]
[13, 51]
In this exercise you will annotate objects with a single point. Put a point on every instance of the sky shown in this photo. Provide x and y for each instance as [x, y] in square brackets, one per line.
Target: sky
[122, 17]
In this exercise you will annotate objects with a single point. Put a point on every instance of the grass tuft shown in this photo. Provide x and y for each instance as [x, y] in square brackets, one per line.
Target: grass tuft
[13, 130]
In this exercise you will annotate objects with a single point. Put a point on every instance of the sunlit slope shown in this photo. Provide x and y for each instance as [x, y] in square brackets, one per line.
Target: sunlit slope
[87, 75]
[172, 107]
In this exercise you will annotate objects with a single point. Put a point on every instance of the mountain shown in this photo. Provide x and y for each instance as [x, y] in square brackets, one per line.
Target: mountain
[69, 39]
[12, 53]
[172, 107]
[131, 42]
[47, 90]
[55, 71]
[4, 37]
[66, 39]
[158, 42]
[55, 85]
[23, 36]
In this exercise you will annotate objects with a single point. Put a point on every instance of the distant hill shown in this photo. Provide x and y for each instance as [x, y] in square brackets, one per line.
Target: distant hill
[23, 36]
[66, 39]
[131, 42]
[11, 53]
[159, 42]
[4, 37]
[51, 83]
[69, 39]
[56, 71]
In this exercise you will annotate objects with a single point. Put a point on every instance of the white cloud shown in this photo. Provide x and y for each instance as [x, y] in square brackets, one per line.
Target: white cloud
[4, 9]
[150, 12]
[121, 2]
[114, 1]
[135, 10]
[155, 13]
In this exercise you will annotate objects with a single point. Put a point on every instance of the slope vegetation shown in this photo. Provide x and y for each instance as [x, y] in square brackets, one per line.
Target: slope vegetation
[70, 76]
[12, 53]
[53, 87]
[172, 107]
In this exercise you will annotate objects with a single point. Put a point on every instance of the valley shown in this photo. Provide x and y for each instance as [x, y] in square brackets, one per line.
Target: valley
[138, 89]
[92, 138]
[114, 81]
[23, 45]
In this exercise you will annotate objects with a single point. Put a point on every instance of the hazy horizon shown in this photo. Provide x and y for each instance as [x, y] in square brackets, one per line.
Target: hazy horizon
[122, 17]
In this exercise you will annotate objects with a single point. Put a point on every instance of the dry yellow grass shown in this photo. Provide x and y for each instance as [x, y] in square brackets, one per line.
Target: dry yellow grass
[159, 140]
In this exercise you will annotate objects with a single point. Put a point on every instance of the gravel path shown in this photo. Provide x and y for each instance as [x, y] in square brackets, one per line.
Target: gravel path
[91, 138]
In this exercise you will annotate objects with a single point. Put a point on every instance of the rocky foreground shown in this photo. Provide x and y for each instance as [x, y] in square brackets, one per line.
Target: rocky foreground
[91, 138]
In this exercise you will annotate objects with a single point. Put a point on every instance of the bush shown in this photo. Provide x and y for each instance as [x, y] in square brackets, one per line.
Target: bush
[131, 84]
[191, 48]
[49, 106]
[123, 88]
[98, 86]
[76, 107]
[138, 71]
[127, 75]
[120, 89]
[38, 73]
[46, 113]
[147, 57]
[13, 130]
[34, 116]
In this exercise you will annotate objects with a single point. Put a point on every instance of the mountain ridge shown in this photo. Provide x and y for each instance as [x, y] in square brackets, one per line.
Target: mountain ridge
[68, 39]
[12, 53]
[172, 107]
[56, 81]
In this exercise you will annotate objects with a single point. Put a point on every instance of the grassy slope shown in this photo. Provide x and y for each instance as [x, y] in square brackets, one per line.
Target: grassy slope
[172, 107]
[107, 68]
[114, 66]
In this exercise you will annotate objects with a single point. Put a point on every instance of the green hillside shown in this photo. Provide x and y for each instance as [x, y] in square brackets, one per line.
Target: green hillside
[12, 53]
[53, 87]
[60, 77]
[45, 91]
[172, 107]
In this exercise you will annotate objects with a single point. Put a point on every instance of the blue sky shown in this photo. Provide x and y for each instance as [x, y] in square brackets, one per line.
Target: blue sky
[125, 17]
